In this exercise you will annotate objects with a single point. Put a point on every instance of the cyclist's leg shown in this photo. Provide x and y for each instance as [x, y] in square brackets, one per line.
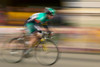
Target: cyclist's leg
[32, 29]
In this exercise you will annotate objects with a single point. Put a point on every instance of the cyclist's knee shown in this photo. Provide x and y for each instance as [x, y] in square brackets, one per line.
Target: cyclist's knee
[38, 34]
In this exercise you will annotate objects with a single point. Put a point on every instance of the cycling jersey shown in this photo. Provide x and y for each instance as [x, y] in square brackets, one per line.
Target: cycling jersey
[36, 19]
[42, 17]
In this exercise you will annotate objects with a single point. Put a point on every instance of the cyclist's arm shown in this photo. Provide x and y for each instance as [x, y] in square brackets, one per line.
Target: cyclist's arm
[45, 25]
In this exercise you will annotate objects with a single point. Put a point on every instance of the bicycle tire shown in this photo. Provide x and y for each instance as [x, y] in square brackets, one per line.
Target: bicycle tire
[43, 59]
[10, 56]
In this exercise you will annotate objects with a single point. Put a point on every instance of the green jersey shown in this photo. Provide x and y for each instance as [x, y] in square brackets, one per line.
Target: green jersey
[42, 17]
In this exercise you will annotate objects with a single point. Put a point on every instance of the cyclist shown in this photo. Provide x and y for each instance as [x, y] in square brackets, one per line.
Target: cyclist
[33, 23]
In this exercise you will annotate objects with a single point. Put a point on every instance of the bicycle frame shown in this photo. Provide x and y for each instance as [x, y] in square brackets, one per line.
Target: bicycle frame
[40, 45]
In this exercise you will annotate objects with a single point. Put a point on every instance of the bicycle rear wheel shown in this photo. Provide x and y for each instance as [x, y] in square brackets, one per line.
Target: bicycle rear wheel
[47, 53]
[13, 50]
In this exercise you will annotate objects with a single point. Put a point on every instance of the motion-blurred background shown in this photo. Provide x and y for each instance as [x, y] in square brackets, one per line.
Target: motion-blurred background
[77, 22]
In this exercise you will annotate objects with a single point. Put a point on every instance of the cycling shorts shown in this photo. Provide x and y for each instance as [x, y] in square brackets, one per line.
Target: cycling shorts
[31, 27]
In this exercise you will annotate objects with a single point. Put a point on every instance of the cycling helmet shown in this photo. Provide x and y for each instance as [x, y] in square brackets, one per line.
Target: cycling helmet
[50, 11]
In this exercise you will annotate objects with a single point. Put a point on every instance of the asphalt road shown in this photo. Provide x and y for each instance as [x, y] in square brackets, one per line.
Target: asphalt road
[66, 60]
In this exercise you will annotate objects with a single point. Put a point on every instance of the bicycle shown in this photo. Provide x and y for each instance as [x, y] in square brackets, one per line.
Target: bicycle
[46, 51]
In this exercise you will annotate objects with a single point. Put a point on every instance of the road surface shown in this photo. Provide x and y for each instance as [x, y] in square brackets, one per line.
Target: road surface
[66, 60]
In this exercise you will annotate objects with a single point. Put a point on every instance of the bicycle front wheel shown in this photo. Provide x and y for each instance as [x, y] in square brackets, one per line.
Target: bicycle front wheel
[13, 50]
[47, 53]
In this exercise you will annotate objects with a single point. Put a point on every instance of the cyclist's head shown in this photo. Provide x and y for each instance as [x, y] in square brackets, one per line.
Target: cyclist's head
[50, 11]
